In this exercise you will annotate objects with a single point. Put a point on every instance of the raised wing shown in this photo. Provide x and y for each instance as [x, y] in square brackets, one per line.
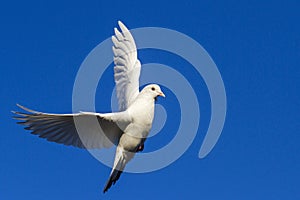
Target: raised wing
[83, 130]
[127, 67]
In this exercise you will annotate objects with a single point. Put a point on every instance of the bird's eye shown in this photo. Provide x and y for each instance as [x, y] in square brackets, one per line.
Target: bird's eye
[152, 88]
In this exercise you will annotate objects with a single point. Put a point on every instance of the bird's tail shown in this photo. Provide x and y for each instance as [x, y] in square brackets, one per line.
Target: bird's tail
[119, 165]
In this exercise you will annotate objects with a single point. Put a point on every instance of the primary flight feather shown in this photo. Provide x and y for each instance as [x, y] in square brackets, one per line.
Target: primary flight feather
[127, 129]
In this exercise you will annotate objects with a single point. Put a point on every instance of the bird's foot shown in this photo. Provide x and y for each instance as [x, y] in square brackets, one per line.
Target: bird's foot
[140, 148]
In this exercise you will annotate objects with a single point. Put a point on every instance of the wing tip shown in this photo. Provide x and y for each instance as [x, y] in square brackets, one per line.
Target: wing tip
[116, 30]
[26, 109]
[123, 27]
[19, 115]
[120, 23]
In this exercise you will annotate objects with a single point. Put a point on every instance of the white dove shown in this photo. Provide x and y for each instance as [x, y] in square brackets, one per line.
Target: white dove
[127, 129]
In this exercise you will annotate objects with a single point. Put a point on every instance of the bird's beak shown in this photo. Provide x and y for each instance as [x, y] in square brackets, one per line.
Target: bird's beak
[161, 94]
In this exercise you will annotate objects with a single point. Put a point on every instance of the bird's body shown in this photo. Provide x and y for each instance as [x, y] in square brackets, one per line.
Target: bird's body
[127, 129]
[141, 112]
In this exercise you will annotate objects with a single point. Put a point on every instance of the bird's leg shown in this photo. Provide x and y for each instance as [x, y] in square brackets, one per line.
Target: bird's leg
[140, 148]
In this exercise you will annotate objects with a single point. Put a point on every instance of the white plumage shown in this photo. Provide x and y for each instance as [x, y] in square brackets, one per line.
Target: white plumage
[127, 129]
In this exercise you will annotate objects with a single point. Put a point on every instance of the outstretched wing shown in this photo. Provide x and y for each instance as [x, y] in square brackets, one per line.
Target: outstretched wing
[127, 67]
[83, 130]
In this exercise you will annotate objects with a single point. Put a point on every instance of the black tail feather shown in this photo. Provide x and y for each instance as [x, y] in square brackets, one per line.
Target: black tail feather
[115, 175]
[112, 179]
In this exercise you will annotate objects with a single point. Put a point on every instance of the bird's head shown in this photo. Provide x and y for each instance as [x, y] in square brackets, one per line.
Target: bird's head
[153, 90]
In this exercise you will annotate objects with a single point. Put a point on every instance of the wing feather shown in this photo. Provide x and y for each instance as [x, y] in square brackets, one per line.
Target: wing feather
[83, 130]
[127, 67]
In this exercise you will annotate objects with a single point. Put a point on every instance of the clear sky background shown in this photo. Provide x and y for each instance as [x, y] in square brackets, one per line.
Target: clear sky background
[256, 46]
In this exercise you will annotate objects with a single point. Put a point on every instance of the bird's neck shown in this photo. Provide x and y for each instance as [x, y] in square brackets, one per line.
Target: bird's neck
[143, 103]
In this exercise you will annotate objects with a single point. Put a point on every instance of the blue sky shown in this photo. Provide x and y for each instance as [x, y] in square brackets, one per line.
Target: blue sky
[256, 46]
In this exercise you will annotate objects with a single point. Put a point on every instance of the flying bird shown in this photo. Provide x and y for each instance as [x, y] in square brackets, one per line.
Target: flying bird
[127, 129]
